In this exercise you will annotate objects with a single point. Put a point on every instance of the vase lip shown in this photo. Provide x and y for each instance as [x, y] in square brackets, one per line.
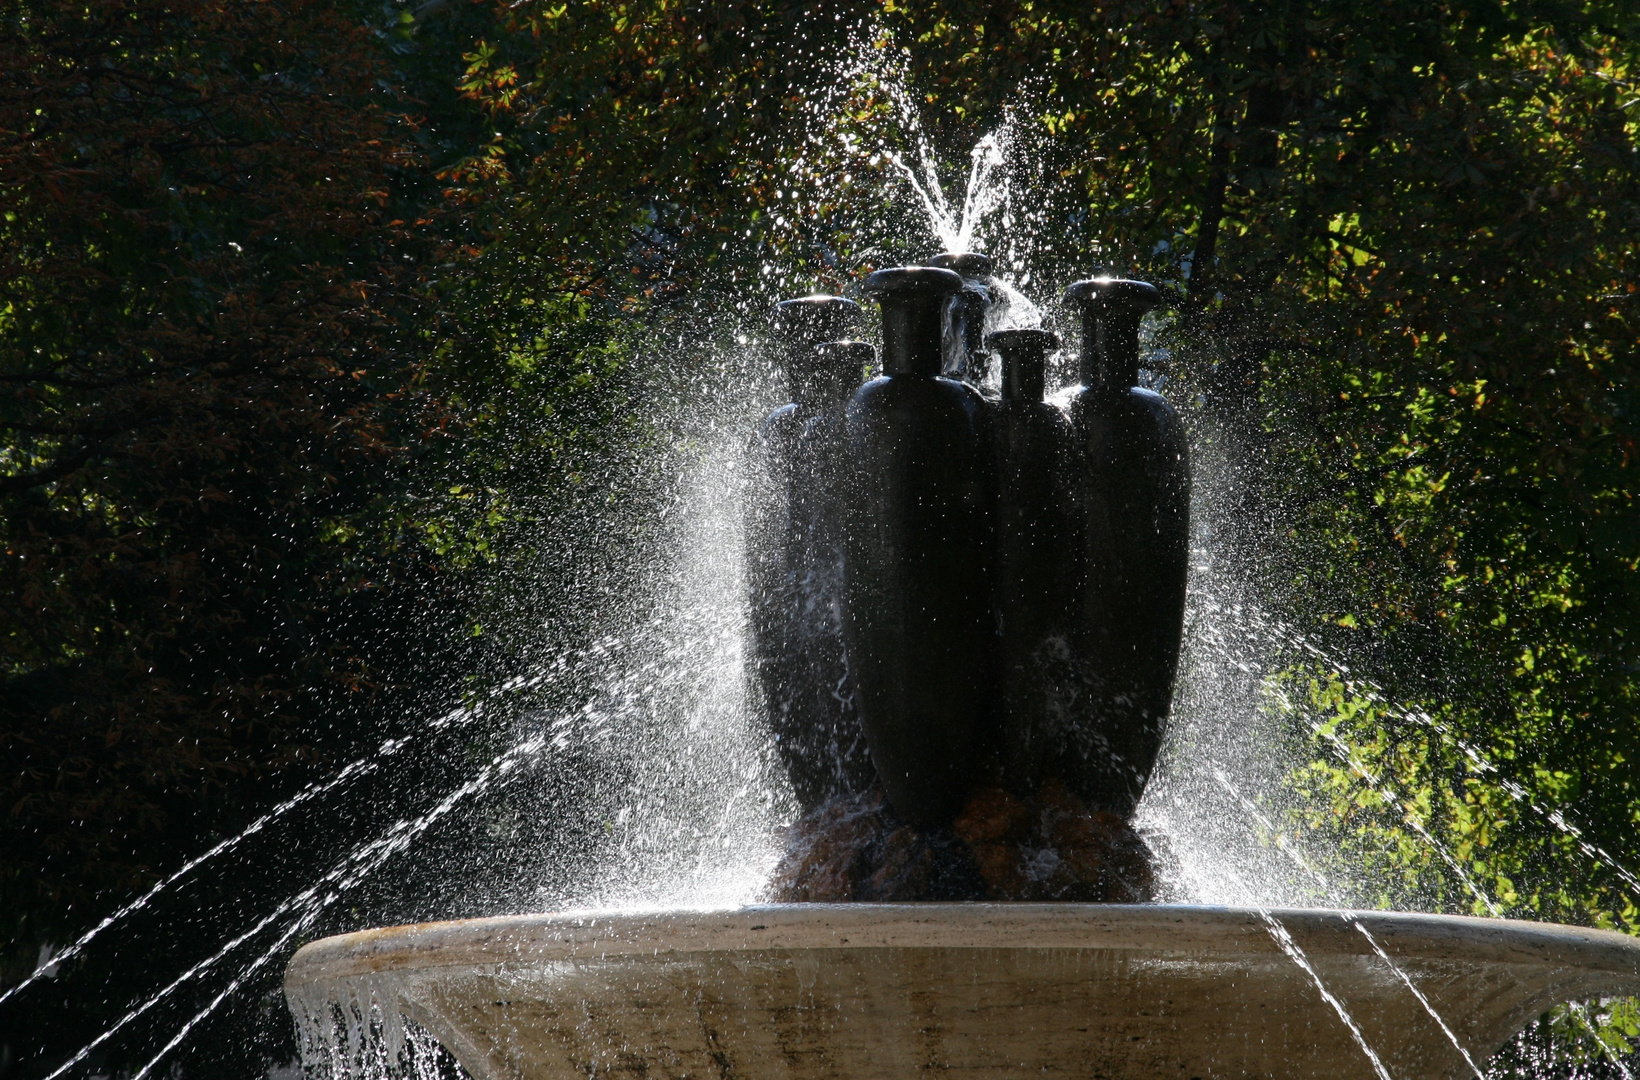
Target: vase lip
[1023, 338]
[818, 315]
[1112, 291]
[912, 282]
[970, 264]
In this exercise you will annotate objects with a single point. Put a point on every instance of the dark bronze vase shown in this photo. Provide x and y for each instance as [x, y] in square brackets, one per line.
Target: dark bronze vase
[1134, 509]
[918, 557]
[823, 746]
[963, 332]
[1039, 550]
[793, 555]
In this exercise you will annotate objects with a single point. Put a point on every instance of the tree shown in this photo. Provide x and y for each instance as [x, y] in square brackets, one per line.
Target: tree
[212, 259]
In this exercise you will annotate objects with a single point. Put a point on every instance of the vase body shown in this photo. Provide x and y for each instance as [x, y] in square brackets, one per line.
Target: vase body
[919, 554]
[1133, 505]
[794, 558]
[1041, 687]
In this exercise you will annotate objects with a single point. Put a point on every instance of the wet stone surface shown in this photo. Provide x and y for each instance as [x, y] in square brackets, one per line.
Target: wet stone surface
[1049, 846]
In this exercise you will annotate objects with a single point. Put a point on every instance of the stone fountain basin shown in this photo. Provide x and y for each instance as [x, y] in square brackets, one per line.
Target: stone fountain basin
[862, 991]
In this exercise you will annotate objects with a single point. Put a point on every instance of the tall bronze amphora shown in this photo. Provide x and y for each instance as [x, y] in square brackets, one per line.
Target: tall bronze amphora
[822, 744]
[1038, 553]
[919, 555]
[1134, 506]
[794, 556]
[963, 332]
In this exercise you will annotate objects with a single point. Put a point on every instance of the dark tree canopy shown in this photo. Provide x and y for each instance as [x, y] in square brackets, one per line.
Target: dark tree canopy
[307, 310]
[211, 253]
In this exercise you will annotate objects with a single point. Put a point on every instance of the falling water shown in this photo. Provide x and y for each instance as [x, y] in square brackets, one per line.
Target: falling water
[1349, 916]
[1285, 941]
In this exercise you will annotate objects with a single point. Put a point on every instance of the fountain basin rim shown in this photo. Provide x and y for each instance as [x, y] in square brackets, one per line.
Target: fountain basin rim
[1192, 932]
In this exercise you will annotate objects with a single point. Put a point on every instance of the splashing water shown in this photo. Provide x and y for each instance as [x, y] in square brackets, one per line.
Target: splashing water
[868, 122]
[1349, 916]
[987, 189]
[671, 775]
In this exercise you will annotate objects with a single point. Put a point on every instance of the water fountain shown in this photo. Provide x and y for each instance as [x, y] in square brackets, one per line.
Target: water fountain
[982, 598]
[885, 974]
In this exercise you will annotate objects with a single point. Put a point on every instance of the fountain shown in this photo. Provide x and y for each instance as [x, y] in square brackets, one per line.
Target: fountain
[674, 728]
[977, 989]
[966, 616]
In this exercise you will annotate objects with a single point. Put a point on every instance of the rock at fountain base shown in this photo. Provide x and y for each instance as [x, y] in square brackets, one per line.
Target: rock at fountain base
[1047, 847]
